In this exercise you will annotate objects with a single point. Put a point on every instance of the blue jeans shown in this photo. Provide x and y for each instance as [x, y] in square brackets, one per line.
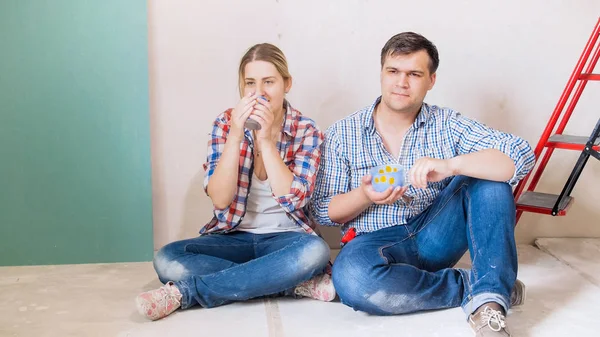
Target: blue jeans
[404, 269]
[217, 269]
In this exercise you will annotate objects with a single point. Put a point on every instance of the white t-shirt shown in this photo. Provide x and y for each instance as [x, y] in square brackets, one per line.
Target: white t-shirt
[263, 213]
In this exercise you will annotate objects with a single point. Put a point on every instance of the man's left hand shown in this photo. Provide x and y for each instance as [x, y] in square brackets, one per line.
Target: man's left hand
[429, 170]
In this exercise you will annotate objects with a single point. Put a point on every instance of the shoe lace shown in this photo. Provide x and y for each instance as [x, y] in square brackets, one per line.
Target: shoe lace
[170, 296]
[493, 318]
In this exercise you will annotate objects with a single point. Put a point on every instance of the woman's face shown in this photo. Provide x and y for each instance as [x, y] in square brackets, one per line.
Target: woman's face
[262, 78]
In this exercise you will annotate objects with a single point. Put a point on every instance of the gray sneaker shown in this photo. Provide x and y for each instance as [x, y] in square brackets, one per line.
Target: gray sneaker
[518, 294]
[489, 322]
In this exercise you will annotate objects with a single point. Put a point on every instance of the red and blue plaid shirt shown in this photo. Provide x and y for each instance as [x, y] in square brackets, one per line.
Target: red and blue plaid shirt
[299, 147]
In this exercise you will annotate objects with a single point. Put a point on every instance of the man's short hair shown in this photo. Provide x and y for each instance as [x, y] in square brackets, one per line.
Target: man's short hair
[408, 43]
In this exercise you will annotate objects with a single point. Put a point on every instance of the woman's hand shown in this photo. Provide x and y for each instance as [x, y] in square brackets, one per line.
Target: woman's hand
[263, 114]
[240, 114]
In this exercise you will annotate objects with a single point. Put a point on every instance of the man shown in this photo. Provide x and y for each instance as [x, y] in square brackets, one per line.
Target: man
[458, 196]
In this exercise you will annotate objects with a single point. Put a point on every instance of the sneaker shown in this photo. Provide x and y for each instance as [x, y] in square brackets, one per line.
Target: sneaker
[518, 294]
[319, 287]
[158, 303]
[489, 321]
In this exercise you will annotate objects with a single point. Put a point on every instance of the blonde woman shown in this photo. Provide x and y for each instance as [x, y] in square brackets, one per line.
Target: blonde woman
[261, 165]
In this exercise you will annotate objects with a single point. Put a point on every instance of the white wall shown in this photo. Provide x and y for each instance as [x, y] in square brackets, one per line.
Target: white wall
[505, 64]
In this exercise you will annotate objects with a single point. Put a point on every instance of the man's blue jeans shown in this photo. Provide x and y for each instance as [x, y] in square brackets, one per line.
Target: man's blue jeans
[217, 269]
[404, 269]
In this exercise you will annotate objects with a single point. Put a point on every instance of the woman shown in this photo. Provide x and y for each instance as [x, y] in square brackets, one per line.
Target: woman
[259, 181]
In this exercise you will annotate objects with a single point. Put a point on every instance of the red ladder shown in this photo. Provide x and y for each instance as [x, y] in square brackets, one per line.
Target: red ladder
[544, 203]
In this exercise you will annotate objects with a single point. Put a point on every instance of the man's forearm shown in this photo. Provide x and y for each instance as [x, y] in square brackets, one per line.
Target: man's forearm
[489, 164]
[347, 206]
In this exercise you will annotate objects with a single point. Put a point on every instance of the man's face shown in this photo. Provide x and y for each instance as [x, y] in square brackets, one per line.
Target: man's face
[405, 80]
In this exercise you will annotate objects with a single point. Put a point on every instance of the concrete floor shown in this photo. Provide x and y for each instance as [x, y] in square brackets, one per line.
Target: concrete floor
[98, 300]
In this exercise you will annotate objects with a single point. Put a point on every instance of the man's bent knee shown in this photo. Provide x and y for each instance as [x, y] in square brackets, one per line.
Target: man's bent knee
[358, 286]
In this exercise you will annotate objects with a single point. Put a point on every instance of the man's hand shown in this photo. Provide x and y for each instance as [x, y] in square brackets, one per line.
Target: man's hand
[347, 206]
[429, 170]
[389, 196]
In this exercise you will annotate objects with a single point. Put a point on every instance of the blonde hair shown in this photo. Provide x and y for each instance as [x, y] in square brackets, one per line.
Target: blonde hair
[263, 52]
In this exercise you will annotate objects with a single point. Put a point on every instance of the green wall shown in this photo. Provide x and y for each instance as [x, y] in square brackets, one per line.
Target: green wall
[75, 184]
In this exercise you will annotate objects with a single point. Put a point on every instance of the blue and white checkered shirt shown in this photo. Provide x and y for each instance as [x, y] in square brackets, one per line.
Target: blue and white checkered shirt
[353, 146]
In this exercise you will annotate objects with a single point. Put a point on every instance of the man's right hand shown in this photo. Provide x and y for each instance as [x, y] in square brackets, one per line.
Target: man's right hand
[347, 206]
[387, 197]
[240, 114]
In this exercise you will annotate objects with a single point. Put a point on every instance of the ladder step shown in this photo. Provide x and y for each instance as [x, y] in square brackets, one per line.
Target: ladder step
[542, 203]
[590, 77]
[570, 142]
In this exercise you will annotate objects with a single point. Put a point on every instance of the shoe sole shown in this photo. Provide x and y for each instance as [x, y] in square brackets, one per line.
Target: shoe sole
[523, 294]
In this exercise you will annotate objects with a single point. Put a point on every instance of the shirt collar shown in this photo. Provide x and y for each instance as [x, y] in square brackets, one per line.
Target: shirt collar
[288, 119]
[423, 116]
[369, 122]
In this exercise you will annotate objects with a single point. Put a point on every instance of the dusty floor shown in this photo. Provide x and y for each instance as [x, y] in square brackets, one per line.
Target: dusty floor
[562, 278]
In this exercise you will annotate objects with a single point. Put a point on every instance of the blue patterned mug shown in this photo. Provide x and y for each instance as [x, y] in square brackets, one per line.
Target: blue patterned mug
[384, 176]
